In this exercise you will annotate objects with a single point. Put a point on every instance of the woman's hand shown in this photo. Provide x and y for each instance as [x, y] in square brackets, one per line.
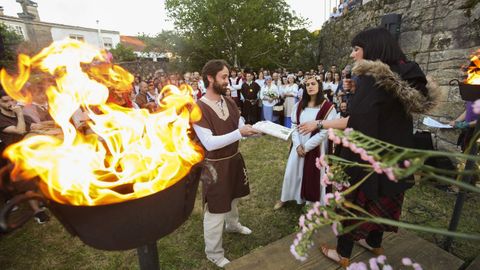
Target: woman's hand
[307, 127]
[301, 151]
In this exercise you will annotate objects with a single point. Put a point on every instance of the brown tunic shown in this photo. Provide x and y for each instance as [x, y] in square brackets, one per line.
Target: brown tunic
[232, 180]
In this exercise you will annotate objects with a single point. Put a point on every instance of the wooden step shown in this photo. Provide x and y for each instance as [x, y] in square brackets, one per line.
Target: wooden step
[276, 255]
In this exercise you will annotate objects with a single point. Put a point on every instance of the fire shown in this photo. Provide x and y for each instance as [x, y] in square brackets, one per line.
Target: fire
[473, 70]
[131, 153]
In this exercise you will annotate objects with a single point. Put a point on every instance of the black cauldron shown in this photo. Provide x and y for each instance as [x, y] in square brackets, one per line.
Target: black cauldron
[468, 92]
[130, 224]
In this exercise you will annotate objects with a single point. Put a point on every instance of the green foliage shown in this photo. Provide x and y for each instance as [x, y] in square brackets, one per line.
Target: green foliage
[10, 40]
[253, 33]
[123, 54]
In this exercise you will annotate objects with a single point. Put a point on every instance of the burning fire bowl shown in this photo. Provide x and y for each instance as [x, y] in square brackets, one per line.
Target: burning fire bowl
[133, 223]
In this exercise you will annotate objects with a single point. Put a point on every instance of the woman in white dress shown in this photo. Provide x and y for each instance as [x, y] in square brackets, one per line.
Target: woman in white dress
[302, 179]
[261, 79]
[290, 91]
[269, 95]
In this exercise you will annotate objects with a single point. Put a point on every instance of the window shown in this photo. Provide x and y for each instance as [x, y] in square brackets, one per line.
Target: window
[107, 43]
[17, 29]
[78, 37]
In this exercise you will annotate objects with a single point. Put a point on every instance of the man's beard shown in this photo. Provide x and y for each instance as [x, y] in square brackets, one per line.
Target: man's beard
[219, 89]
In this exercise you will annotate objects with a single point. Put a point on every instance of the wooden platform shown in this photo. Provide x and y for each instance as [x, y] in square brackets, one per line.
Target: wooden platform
[277, 255]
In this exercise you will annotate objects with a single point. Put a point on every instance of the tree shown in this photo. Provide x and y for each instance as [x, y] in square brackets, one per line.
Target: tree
[238, 32]
[123, 54]
[11, 40]
[302, 50]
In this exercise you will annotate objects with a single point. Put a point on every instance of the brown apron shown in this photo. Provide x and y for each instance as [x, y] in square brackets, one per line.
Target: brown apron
[231, 179]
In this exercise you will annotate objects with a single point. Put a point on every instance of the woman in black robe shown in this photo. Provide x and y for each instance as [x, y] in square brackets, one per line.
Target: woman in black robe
[389, 89]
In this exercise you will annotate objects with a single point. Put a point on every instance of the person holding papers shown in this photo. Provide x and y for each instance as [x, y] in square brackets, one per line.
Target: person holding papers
[302, 178]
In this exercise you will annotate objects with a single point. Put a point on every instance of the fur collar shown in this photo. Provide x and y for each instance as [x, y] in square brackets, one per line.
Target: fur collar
[412, 99]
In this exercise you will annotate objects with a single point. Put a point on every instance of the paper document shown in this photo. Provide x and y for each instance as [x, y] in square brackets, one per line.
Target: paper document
[434, 123]
[273, 129]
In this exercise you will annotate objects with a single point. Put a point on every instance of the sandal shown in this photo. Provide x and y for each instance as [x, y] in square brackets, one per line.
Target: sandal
[332, 254]
[376, 251]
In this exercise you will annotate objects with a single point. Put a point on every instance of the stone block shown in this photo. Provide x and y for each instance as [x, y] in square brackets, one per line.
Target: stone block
[442, 41]
[475, 12]
[420, 4]
[394, 6]
[425, 43]
[444, 76]
[448, 110]
[455, 19]
[450, 64]
[467, 37]
[444, 93]
[422, 58]
[427, 26]
[409, 41]
[449, 55]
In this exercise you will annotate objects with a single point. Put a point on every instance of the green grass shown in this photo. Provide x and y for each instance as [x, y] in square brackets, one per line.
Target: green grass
[49, 246]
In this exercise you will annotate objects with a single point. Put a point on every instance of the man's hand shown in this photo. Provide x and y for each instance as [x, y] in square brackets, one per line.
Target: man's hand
[17, 110]
[301, 151]
[248, 131]
[307, 127]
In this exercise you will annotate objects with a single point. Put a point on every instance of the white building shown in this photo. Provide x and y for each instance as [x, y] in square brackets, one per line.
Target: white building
[41, 34]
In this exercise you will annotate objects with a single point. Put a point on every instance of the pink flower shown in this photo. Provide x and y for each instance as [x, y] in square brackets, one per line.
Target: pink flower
[318, 164]
[338, 196]
[322, 160]
[360, 151]
[327, 198]
[373, 264]
[389, 173]
[407, 163]
[377, 167]
[295, 254]
[476, 107]
[309, 215]
[337, 185]
[324, 180]
[371, 159]
[387, 267]
[347, 131]
[331, 134]
[334, 228]
[301, 221]
[337, 140]
[357, 266]
[364, 156]
[406, 261]
[381, 259]
[417, 266]
[353, 147]
[345, 142]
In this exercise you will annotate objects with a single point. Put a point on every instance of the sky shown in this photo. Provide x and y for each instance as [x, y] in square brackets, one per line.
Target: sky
[139, 16]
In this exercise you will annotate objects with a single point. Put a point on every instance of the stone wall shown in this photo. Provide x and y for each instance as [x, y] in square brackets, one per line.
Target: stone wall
[440, 35]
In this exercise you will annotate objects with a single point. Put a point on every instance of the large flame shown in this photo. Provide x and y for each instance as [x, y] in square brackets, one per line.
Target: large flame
[131, 153]
[473, 71]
